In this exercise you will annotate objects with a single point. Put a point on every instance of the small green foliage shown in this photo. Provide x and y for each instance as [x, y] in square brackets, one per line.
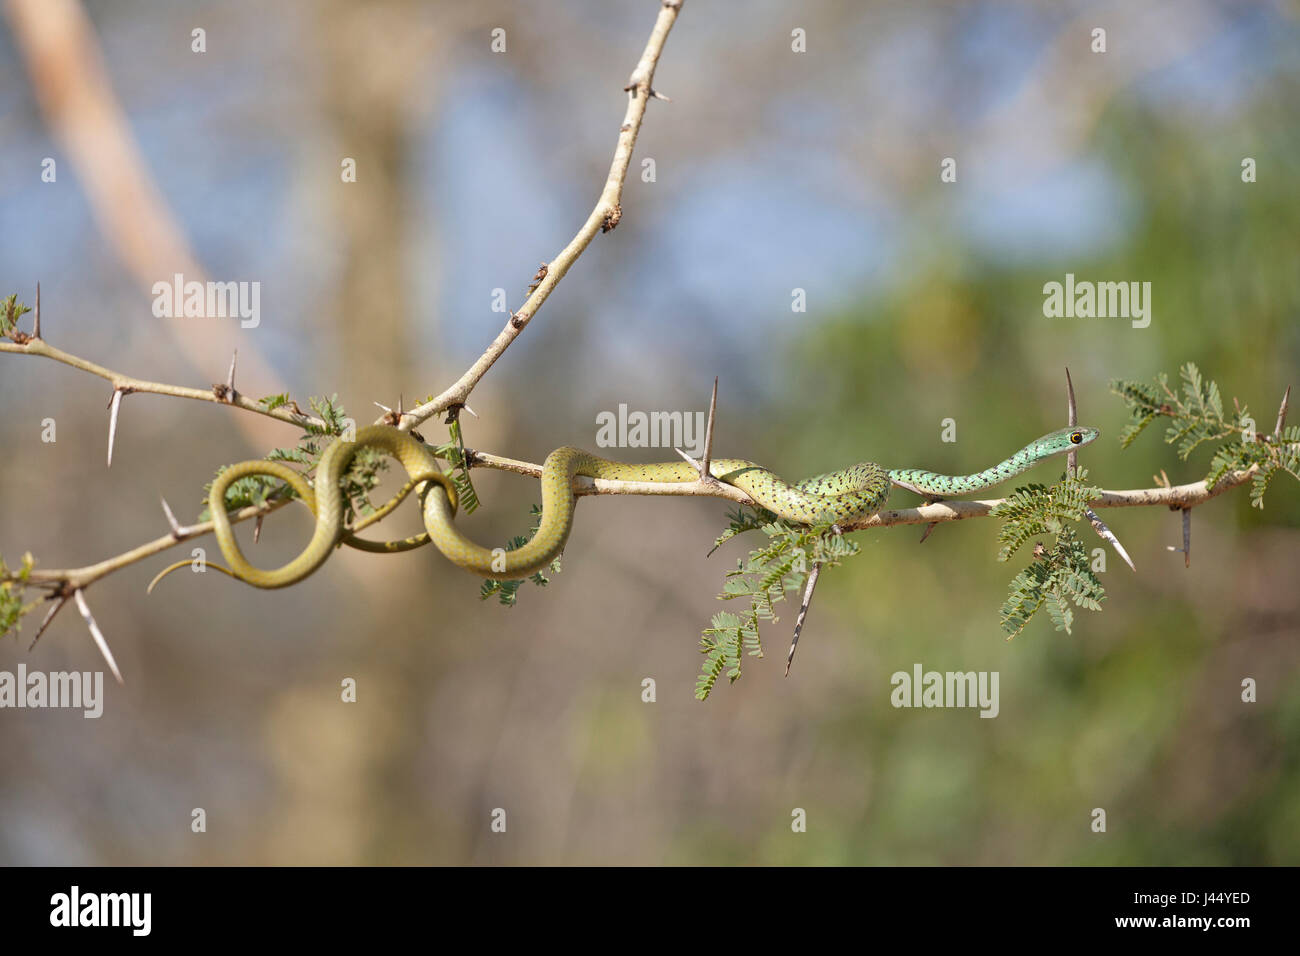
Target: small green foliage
[741, 520]
[250, 490]
[721, 645]
[13, 584]
[454, 452]
[1059, 572]
[507, 592]
[763, 579]
[358, 481]
[11, 310]
[331, 412]
[1197, 416]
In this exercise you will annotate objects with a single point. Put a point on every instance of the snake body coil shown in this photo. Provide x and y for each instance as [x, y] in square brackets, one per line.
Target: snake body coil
[840, 497]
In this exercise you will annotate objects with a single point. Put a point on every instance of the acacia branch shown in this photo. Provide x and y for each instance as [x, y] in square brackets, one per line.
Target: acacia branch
[603, 218]
[1177, 496]
[126, 384]
[63, 582]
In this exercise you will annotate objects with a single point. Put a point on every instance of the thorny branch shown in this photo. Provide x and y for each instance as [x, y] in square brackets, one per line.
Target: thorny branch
[603, 218]
[69, 584]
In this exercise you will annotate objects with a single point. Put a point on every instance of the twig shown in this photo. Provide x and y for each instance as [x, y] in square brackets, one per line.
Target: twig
[77, 578]
[74, 91]
[939, 511]
[127, 383]
[604, 216]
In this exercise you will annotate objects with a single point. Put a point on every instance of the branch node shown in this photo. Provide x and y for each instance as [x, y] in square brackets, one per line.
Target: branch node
[537, 279]
[177, 531]
[226, 393]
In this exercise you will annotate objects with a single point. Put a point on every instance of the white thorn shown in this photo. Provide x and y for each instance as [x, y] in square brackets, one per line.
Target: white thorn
[113, 406]
[697, 465]
[1107, 535]
[177, 530]
[97, 635]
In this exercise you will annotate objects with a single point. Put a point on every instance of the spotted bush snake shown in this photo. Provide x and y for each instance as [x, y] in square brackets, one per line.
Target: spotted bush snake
[838, 497]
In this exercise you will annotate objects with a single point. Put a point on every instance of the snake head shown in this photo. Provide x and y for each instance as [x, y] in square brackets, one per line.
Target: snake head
[1067, 439]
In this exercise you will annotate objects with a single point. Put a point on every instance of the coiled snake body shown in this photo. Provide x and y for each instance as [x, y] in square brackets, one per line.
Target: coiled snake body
[839, 496]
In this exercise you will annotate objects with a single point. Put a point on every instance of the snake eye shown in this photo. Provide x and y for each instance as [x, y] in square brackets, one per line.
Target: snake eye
[1076, 438]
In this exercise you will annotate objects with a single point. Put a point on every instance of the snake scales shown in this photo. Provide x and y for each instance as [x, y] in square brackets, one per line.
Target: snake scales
[839, 496]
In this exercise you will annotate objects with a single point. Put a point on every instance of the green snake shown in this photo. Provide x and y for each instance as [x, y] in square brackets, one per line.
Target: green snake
[838, 497]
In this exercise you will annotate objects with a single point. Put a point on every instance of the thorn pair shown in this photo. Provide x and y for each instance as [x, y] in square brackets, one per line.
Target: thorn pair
[704, 464]
[95, 633]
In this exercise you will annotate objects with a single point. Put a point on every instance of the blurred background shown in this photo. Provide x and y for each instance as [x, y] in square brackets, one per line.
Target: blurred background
[774, 171]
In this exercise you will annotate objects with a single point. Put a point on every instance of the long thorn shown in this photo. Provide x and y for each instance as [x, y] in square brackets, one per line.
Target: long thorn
[49, 616]
[230, 378]
[1187, 537]
[803, 613]
[705, 473]
[1277, 429]
[695, 463]
[928, 529]
[1107, 535]
[36, 321]
[97, 635]
[1072, 457]
[113, 407]
[177, 530]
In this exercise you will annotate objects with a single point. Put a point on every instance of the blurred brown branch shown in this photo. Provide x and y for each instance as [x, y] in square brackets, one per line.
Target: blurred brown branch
[75, 92]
